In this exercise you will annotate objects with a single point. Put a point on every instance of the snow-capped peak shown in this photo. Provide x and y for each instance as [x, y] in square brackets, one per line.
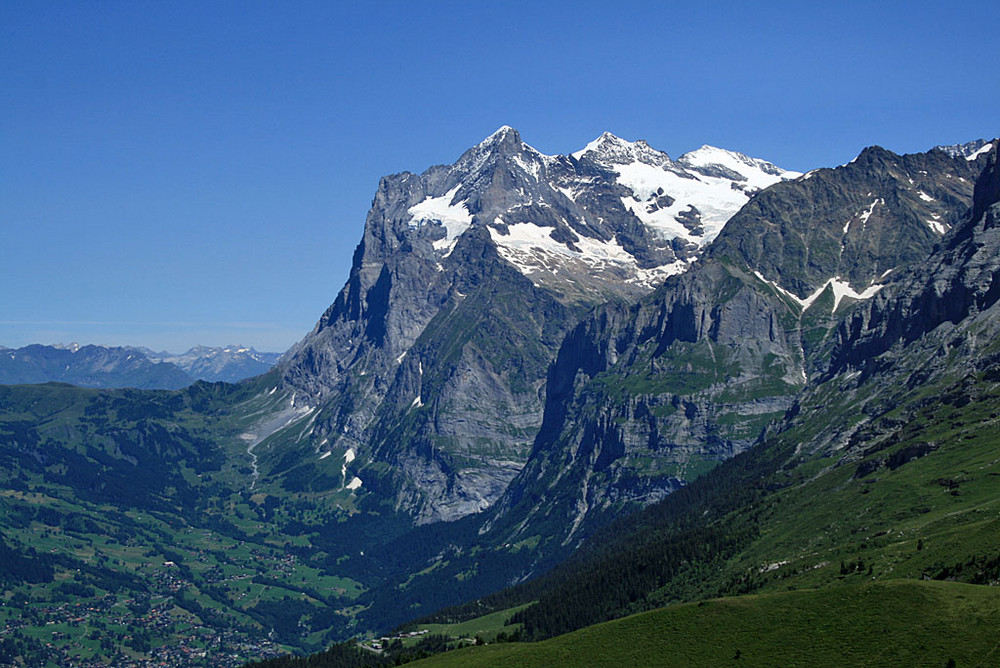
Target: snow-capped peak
[598, 145]
[507, 140]
[718, 162]
[502, 132]
[504, 144]
[691, 198]
[609, 149]
[563, 222]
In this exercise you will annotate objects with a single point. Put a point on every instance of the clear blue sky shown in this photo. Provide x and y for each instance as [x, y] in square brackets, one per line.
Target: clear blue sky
[174, 173]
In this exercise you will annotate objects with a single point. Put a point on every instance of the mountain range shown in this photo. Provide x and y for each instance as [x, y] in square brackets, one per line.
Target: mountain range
[611, 379]
[128, 366]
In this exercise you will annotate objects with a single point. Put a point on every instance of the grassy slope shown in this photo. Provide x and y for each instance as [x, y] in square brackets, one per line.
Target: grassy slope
[922, 516]
[895, 623]
[486, 627]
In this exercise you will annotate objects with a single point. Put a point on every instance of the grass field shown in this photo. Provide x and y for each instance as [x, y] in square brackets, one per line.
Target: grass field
[486, 627]
[892, 623]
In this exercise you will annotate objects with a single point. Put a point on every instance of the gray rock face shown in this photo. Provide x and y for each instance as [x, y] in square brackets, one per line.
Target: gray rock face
[642, 399]
[431, 359]
[930, 338]
[856, 223]
[958, 284]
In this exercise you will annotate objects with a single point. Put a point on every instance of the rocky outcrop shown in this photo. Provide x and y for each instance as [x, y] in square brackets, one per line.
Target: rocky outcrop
[857, 223]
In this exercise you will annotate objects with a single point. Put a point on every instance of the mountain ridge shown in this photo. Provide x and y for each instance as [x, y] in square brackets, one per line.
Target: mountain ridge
[568, 225]
[130, 366]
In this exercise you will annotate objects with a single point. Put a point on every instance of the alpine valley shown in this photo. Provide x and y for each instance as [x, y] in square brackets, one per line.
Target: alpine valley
[756, 406]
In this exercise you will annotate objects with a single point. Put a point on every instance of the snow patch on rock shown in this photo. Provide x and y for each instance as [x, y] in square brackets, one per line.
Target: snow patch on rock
[986, 148]
[840, 287]
[453, 216]
[532, 250]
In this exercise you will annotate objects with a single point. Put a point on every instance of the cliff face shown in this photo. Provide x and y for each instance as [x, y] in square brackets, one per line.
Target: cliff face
[642, 399]
[855, 224]
[427, 370]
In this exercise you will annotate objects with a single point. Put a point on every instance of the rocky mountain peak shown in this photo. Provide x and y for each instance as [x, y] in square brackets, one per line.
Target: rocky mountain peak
[721, 163]
[609, 149]
[502, 147]
[866, 221]
[953, 287]
[969, 150]
[505, 139]
[613, 220]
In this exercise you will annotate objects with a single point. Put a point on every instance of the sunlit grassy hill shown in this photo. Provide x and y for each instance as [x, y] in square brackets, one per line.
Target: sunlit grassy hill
[895, 623]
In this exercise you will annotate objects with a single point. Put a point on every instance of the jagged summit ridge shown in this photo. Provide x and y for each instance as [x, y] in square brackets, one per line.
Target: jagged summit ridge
[547, 216]
[611, 149]
[689, 199]
[865, 220]
[620, 211]
[969, 150]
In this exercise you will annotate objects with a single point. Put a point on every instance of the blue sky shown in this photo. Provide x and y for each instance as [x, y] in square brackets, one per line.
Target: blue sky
[175, 173]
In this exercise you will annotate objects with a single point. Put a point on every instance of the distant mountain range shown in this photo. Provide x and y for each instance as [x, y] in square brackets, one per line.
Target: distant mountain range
[114, 366]
[229, 364]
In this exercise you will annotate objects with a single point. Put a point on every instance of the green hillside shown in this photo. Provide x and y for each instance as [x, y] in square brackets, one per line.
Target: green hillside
[916, 495]
[895, 623]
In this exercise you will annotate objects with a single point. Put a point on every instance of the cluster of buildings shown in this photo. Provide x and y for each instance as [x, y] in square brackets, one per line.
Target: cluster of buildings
[125, 632]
